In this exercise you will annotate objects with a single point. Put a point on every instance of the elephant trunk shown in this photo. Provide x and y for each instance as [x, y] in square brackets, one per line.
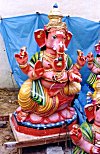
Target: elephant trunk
[59, 61]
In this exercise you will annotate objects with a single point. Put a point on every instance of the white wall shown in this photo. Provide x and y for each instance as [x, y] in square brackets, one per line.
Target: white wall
[6, 78]
[89, 9]
[8, 8]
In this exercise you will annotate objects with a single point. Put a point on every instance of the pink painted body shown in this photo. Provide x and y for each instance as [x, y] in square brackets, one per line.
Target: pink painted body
[52, 69]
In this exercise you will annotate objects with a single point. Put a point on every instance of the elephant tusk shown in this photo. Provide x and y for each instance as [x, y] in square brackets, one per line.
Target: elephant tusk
[54, 48]
[59, 63]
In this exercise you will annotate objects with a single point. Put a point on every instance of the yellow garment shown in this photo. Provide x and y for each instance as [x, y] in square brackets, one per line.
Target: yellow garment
[27, 104]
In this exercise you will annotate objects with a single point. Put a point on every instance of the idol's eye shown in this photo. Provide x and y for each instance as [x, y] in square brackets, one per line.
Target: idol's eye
[54, 36]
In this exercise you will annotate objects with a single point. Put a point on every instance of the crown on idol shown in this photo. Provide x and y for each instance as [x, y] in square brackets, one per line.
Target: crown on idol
[55, 19]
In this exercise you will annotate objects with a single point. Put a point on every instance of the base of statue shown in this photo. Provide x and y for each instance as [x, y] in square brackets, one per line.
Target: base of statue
[24, 140]
[43, 129]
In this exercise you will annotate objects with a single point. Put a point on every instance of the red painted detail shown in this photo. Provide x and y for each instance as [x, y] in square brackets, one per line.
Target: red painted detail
[36, 132]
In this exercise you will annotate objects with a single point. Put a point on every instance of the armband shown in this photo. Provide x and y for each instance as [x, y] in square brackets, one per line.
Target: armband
[23, 66]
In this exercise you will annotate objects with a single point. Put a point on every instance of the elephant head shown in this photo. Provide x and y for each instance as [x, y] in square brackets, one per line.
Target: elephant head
[55, 29]
[56, 40]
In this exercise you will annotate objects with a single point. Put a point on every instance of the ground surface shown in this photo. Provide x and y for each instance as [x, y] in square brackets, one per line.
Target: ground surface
[8, 104]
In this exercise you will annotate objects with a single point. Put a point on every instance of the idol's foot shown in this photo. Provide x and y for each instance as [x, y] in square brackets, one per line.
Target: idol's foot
[21, 116]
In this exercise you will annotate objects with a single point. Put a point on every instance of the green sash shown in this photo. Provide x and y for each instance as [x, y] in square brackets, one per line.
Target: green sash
[37, 92]
[91, 79]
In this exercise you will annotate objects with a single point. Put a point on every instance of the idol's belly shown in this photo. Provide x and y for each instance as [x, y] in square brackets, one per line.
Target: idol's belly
[53, 76]
[52, 85]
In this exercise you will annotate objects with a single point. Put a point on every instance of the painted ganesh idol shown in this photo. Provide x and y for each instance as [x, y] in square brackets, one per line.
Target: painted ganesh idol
[87, 137]
[45, 98]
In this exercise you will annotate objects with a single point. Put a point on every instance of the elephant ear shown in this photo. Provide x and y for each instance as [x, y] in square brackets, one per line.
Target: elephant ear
[40, 37]
[90, 111]
[68, 38]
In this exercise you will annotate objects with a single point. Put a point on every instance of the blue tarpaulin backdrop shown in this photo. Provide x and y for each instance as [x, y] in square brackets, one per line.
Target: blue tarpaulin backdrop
[19, 31]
